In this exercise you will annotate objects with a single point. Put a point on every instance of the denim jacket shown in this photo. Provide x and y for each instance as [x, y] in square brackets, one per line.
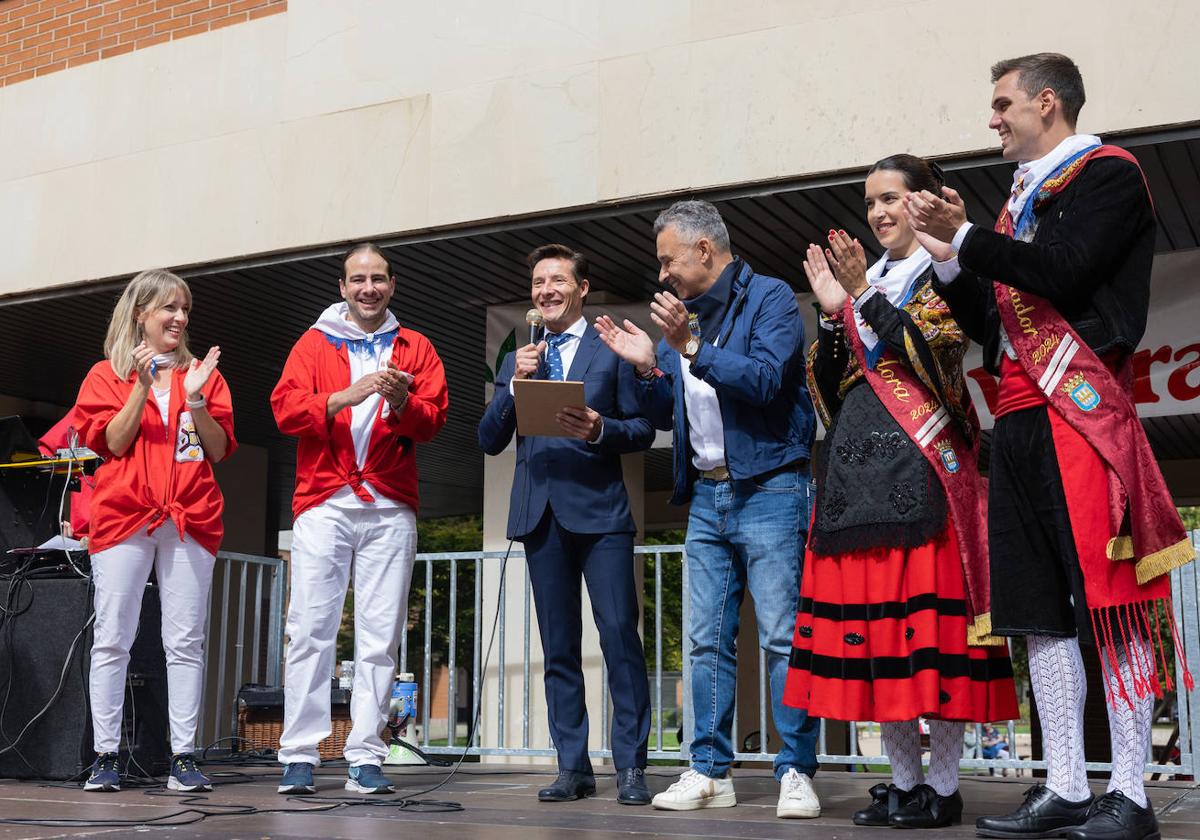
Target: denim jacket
[757, 369]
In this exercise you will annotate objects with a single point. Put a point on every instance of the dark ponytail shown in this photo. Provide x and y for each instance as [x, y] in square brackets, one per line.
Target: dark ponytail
[918, 173]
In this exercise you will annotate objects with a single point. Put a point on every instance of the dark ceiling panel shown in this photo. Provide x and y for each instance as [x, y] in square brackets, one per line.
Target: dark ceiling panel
[256, 310]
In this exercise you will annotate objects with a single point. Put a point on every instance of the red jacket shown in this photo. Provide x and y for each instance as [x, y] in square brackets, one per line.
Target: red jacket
[149, 485]
[325, 459]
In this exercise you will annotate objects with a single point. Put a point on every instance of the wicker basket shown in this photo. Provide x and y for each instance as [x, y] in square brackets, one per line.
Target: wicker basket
[259, 728]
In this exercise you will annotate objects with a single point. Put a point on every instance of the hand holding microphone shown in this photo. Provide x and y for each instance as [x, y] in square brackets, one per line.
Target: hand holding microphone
[528, 358]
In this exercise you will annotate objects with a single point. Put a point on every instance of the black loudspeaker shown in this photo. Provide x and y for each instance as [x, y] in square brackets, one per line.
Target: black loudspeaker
[42, 619]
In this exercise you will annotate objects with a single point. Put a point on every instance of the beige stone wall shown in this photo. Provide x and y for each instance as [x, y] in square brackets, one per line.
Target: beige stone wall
[342, 120]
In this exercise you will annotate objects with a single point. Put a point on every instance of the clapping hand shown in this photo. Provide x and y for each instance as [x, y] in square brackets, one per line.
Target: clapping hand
[392, 384]
[199, 372]
[935, 219]
[143, 361]
[671, 316]
[629, 342]
[830, 295]
[849, 262]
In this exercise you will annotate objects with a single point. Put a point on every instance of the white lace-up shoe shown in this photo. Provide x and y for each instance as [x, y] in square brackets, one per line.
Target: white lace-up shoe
[797, 799]
[695, 790]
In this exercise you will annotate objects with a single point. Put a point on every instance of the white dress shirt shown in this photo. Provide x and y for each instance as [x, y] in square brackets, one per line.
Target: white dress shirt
[706, 429]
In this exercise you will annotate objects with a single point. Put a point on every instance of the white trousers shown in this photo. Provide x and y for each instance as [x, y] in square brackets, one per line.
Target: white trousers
[327, 543]
[184, 571]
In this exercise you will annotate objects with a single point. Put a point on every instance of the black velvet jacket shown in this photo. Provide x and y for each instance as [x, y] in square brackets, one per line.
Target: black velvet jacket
[1090, 257]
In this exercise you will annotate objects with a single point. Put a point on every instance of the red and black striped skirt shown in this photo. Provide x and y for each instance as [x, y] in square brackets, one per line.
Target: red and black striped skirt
[881, 634]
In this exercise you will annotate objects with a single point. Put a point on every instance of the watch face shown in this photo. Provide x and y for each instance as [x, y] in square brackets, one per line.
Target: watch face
[692, 347]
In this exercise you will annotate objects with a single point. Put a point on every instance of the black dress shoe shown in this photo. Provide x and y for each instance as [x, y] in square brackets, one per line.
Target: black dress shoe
[631, 787]
[925, 808]
[1043, 814]
[886, 800]
[1115, 816]
[569, 786]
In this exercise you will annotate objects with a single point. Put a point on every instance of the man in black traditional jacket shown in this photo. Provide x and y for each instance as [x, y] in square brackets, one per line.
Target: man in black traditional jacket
[1058, 295]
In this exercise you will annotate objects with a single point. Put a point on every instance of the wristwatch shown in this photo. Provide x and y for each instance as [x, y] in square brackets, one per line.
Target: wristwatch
[691, 348]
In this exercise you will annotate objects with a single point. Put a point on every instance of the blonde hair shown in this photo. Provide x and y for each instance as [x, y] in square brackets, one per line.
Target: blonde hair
[147, 292]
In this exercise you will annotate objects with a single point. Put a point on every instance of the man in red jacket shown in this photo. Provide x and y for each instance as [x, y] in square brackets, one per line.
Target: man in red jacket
[359, 391]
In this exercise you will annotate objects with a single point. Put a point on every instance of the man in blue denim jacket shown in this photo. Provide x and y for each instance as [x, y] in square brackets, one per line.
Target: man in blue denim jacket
[728, 379]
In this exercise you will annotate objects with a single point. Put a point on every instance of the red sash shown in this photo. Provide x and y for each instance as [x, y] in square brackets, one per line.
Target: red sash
[955, 462]
[1097, 403]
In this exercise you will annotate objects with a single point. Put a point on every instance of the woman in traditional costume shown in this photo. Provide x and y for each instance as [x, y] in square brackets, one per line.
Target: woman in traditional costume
[893, 621]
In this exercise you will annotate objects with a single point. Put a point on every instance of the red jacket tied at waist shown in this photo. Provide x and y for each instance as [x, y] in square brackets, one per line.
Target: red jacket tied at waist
[325, 458]
[147, 486]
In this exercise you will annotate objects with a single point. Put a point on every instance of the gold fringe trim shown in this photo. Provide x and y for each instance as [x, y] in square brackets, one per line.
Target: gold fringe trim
[979, 633]
[1164, 560]
[1120, 548]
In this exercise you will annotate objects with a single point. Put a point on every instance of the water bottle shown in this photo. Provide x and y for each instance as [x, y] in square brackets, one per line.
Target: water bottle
[346, 675]
[403, 706]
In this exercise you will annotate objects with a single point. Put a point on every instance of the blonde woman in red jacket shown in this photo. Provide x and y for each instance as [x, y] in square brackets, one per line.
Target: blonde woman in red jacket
[160, 418]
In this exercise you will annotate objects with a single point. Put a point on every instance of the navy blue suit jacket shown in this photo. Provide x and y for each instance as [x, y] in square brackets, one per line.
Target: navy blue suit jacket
[581, 482]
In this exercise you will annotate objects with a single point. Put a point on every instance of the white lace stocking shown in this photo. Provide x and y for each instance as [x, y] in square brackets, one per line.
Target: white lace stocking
[945, 750]
[1129, 728]
[1060, 687]
[902, 740]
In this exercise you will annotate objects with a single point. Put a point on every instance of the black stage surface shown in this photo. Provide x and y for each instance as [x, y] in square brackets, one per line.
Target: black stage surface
[498, 802]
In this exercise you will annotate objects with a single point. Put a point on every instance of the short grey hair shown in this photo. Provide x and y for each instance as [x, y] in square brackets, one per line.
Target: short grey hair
[696, 220]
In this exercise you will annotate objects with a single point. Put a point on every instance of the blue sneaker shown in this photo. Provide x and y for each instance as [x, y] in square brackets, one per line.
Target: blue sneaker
[368, 778]
[297, 779]
[104, 776]
[186, 775]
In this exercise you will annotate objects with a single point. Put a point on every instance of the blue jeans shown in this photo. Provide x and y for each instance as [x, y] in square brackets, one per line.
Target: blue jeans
[745, 533]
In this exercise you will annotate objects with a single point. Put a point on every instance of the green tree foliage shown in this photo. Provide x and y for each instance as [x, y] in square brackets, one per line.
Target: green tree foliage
[672, 606]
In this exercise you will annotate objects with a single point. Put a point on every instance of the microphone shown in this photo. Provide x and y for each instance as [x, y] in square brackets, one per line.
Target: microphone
[534, 319]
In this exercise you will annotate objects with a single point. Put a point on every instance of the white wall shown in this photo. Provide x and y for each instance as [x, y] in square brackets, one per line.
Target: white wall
[343, 120]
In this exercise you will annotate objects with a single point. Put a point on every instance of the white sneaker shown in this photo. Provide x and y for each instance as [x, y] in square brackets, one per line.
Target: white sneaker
[797, 799]
[695, 790]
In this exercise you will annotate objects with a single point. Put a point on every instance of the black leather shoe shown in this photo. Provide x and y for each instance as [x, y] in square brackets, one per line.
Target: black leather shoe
[569, 786]
[631, 787]
[1043, 814]
[926, 809]
[1115, 816]
[886, 800]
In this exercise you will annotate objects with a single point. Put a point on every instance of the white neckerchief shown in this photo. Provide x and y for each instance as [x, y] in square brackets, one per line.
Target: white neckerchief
[1030, 174]
[333, 322]
[895, 285]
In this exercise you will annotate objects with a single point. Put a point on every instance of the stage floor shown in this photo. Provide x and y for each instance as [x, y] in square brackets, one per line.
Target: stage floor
[498, 802]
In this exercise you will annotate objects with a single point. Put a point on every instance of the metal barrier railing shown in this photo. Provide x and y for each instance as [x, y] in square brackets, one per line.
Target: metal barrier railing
[446, 569]
[244, 636]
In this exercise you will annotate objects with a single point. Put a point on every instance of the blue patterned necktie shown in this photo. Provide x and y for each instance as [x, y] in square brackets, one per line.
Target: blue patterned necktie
[554, 357]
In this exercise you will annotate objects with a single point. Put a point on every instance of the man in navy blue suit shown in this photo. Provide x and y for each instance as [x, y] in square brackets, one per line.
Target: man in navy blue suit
[570, 509]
